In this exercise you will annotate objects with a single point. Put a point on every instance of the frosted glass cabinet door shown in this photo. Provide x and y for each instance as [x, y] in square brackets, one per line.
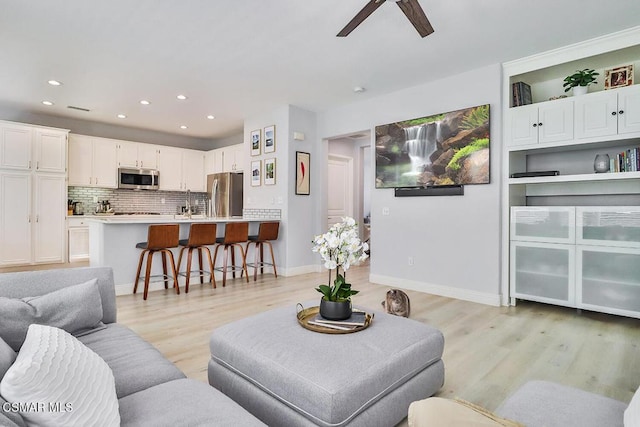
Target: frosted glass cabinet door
[610, 279]
[554, 224]
[608, 226]
[543, 272]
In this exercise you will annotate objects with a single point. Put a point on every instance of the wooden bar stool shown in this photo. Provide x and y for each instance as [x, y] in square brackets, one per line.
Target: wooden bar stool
[235, 233]
[161, 238]
[200, 236]
[266, 232]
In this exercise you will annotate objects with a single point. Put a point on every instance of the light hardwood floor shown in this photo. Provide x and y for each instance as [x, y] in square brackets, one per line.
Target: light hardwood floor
[489, 351]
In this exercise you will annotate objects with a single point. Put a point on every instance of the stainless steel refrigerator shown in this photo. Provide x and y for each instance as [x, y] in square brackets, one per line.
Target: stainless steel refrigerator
[225, 194]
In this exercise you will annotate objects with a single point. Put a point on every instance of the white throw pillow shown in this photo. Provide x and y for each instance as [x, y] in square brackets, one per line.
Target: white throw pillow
[632, 413]
[60, 382]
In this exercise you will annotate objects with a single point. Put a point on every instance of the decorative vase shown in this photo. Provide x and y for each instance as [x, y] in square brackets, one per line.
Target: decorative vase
[601, 163]
[580, 90]
[335, 310]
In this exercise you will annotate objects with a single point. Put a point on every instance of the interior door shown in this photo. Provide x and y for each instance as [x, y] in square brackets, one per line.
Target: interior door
[340, 188]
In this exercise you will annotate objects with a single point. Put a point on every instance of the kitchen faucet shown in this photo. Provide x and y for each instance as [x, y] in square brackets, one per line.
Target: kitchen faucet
[188, 205]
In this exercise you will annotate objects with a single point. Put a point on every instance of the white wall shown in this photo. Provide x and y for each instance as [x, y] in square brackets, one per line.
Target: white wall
[454, 240]
[293, 248]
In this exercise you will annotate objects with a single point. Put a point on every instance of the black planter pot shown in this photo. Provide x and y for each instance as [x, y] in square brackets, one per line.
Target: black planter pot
[333, 310]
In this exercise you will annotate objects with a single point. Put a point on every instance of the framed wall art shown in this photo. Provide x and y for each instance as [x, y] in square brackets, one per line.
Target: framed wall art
[303, 161]
[270, 139]
[255, 142]
[256, 168]
[270, 171]
[618, 77]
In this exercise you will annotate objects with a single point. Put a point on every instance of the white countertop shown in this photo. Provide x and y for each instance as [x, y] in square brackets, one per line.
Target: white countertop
[155, 219]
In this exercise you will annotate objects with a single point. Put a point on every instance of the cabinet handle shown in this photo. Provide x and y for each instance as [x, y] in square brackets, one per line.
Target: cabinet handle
[141, 165]
[613, 113]
[89, 180]
[38, 162]
[621, 112]
[136, 163]
[37, 218]
[29, 164]
[96, 181]
[29, 218]
[535, 125]
[539, 124]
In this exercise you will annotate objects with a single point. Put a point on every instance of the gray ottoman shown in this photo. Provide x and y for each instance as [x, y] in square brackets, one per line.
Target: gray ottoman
[289, 376]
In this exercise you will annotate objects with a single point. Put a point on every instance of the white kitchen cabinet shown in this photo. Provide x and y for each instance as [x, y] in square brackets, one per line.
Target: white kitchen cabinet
[24, 147]
[137, 155]
[32, 213]
[15, 218]
[543, 272]
[608, 226]
[541, 123]
[608, 113]
[78, 235]
[50, 208]
[214, 161]
[233, 158]
[181, 169]
[92, 162]
[193, 170]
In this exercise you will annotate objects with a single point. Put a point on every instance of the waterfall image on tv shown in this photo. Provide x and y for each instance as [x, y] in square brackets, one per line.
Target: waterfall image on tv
[445, 149]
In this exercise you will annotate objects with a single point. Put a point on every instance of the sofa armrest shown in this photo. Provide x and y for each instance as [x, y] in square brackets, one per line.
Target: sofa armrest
[548, 404]
[35, 283]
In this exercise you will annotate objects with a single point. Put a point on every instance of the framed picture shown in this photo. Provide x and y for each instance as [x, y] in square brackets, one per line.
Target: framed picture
[270, 171]
[256, 168]
[255, 142]
[618, 77]
[303, 161]
[270, 139]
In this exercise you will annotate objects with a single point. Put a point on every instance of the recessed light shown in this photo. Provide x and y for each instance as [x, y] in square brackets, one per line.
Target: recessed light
[54, 83]
[145, 102]
[49, 103]
[183, 127]
[211, 117]
[122, 116]
[181, 97]
[358, 89]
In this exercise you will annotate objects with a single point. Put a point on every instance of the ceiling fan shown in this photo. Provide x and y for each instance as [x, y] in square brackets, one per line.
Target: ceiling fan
[411, 8]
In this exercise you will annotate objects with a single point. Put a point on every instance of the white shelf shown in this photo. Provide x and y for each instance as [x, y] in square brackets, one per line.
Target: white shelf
[587, 177]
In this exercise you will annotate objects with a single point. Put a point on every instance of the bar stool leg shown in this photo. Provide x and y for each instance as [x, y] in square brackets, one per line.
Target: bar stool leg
[233, 260]
[164, 269]
[175, 273]
[215, 257]
[224, 265]
[200, 265]
[148, 274]
[244, 262]
[189, 258]
[135, 285]
[180, 257]
[273, 260]
[213, 279]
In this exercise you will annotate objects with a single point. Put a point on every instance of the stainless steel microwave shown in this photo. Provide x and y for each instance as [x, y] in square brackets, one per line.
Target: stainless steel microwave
[138, 179]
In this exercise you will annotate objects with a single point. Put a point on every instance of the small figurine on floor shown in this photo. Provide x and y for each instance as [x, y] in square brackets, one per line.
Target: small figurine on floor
[397, 303]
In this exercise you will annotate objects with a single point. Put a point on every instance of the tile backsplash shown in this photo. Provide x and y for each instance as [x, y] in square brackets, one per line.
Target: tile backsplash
[136, 201]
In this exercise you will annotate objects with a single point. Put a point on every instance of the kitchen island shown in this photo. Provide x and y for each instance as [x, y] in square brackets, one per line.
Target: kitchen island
[113, 239]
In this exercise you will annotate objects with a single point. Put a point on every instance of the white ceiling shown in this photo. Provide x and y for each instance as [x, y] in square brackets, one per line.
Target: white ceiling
[237, 58]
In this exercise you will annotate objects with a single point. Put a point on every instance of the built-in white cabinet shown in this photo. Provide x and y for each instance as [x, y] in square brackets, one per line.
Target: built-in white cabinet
[608, 113]
[181, 169]
[78, 237]
[214, 161]
[541, 123]
[31, 148]
[600, 271]
[92, 162]
[33, 194]
[137, 155]
[32, 210]
[233, 158]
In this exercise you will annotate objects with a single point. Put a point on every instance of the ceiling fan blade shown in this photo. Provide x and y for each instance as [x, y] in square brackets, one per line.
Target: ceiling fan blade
[367, 10]
[414, 12]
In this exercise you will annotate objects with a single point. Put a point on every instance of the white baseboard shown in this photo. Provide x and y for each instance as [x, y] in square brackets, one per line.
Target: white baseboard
[296, 271]
[445, 291]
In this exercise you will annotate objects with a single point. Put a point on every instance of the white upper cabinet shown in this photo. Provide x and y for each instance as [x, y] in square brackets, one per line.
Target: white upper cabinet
[608, 113]
[181, 169]
[214, 161]
[541, 123]
[193, 170]
[25, 147]
[137, 155]
[92, 162]
[233, 158]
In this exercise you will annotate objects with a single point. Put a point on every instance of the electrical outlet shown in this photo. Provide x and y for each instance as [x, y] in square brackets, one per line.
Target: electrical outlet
[410, 260]
[385, 211]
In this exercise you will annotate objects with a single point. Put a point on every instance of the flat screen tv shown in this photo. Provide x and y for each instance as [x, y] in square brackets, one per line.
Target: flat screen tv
[445, 149]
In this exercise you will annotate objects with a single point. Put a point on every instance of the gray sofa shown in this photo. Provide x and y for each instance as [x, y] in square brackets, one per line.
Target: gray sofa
[151, 391]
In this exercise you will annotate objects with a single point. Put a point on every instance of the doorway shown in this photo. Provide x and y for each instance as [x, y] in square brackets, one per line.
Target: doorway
[340, 188]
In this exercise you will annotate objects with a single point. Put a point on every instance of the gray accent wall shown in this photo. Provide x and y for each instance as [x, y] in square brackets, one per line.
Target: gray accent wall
[454, 240]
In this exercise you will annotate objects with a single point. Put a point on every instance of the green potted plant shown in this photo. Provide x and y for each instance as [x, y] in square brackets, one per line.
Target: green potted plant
[580, 81]
[340, 247]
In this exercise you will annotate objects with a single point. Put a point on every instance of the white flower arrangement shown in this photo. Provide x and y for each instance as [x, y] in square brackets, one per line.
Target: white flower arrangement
[340, 247]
